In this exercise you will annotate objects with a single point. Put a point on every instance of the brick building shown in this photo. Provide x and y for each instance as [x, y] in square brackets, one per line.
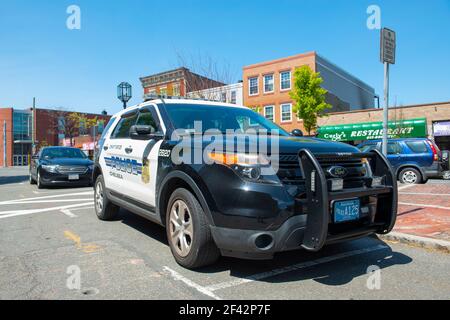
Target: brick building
[176, 82]
[230, 93]
[267, 85]
[430, 120]
[52, 128]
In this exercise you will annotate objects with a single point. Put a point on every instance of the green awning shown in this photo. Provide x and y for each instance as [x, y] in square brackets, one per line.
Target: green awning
[374, 130]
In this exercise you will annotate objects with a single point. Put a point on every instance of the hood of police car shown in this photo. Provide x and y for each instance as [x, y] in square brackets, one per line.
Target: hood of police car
[277, 144]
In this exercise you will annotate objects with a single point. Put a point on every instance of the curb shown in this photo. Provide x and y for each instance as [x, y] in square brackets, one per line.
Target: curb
[423, 242]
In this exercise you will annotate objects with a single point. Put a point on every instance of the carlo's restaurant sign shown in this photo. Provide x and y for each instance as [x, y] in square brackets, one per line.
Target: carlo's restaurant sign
[374, 130]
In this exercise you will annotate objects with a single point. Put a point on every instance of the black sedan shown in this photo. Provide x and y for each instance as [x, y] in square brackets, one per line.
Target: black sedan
[60, 166]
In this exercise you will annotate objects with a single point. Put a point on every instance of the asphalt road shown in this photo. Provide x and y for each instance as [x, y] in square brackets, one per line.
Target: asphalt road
[51, 238]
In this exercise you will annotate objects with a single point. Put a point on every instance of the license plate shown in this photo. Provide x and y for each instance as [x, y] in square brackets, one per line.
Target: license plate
[74, 177]
[346, 210]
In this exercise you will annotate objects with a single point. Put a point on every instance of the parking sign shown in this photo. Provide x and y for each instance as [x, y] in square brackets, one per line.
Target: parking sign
[387, 52]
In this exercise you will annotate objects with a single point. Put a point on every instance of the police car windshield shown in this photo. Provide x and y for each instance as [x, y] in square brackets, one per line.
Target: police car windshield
[198, 117]
[54, 153]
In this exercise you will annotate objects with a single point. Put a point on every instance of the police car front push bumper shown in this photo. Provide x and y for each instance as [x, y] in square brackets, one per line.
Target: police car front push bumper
[313, 230]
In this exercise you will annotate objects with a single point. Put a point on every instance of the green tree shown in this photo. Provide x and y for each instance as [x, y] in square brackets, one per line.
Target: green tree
[309, 97]
[77, 123]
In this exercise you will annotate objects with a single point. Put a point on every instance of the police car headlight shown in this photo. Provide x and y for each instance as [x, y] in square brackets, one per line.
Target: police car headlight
[49, 168]
[253, 167]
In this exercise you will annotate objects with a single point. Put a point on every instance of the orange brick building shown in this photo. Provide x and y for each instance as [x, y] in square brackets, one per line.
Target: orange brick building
[267, 86]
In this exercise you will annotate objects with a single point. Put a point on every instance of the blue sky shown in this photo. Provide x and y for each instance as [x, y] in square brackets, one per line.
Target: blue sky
[124, 40]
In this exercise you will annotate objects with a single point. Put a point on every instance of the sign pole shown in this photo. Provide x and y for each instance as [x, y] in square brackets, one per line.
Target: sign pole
[33, 128]
[387, 56]
[386, 108]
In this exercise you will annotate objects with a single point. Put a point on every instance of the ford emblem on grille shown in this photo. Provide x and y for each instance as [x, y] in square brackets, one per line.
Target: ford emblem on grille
[337, 171]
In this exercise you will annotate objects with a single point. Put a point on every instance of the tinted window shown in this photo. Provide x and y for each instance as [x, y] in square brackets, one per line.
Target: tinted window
[122, 129]
[106, 129]
[55, 153]
[147, 117]
[394, 148]
[222, 118]
[417, 146]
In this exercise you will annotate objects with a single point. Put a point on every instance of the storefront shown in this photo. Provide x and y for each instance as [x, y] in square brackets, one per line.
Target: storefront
[441, 134]
[358, 132]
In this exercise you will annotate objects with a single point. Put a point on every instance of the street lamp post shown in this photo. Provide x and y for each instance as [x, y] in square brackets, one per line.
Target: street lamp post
[124, 93]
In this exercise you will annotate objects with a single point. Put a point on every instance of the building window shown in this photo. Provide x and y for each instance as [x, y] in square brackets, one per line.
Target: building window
[253, 86]
[268, 83]
[223, 97]
[233, 97]
[176, 90]
[285, 80]
[61, 124]
[286, 112]
[268, 112]
[163, 91]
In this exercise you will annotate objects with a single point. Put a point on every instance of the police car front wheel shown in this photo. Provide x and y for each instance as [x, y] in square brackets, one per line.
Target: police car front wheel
[188, 231]
[104, 208]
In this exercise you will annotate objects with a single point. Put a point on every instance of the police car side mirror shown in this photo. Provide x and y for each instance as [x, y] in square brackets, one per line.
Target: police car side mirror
[141, 131]
[297, 133]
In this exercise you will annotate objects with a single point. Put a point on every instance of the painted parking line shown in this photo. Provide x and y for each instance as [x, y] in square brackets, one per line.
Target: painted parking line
[68, 213]
[426, 194]
[178, 277]
[48, 197]
[423, 205]
[295, 267]
[47, 201]
[406, 187]
[85, 247]
[14, 213]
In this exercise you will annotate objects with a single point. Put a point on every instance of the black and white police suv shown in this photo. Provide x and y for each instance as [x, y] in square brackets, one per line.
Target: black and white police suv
[298, 192]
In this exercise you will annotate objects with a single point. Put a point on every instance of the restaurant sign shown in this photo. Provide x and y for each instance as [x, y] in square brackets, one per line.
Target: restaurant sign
[374, 130]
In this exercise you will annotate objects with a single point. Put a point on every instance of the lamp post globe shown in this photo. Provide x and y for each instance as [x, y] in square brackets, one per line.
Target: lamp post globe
[124, 93]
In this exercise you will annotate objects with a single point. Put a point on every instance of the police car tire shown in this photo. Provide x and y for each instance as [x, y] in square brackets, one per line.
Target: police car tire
[109, 210]
[203, 250]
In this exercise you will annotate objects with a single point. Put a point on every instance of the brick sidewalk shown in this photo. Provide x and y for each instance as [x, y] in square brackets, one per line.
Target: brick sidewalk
[424, 210]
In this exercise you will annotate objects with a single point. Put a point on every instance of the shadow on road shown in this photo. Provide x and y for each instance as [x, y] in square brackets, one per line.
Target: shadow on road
[144, 226]
[333, 273]
[13, 179]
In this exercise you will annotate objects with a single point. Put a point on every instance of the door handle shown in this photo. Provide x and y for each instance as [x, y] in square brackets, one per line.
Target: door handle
[128, 150]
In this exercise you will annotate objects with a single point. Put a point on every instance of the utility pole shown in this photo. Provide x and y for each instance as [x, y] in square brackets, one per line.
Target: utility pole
[387, 56]
[33, 128]
[4, 144]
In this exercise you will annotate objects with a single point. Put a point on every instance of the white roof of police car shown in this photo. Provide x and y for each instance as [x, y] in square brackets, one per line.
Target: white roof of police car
[180, 101]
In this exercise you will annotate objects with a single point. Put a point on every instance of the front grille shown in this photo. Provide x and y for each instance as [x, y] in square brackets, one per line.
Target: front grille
[289, 171]
[72, 170]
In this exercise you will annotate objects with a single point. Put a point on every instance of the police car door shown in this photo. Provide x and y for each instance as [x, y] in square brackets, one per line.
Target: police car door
[118, 169]
[144, 153]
